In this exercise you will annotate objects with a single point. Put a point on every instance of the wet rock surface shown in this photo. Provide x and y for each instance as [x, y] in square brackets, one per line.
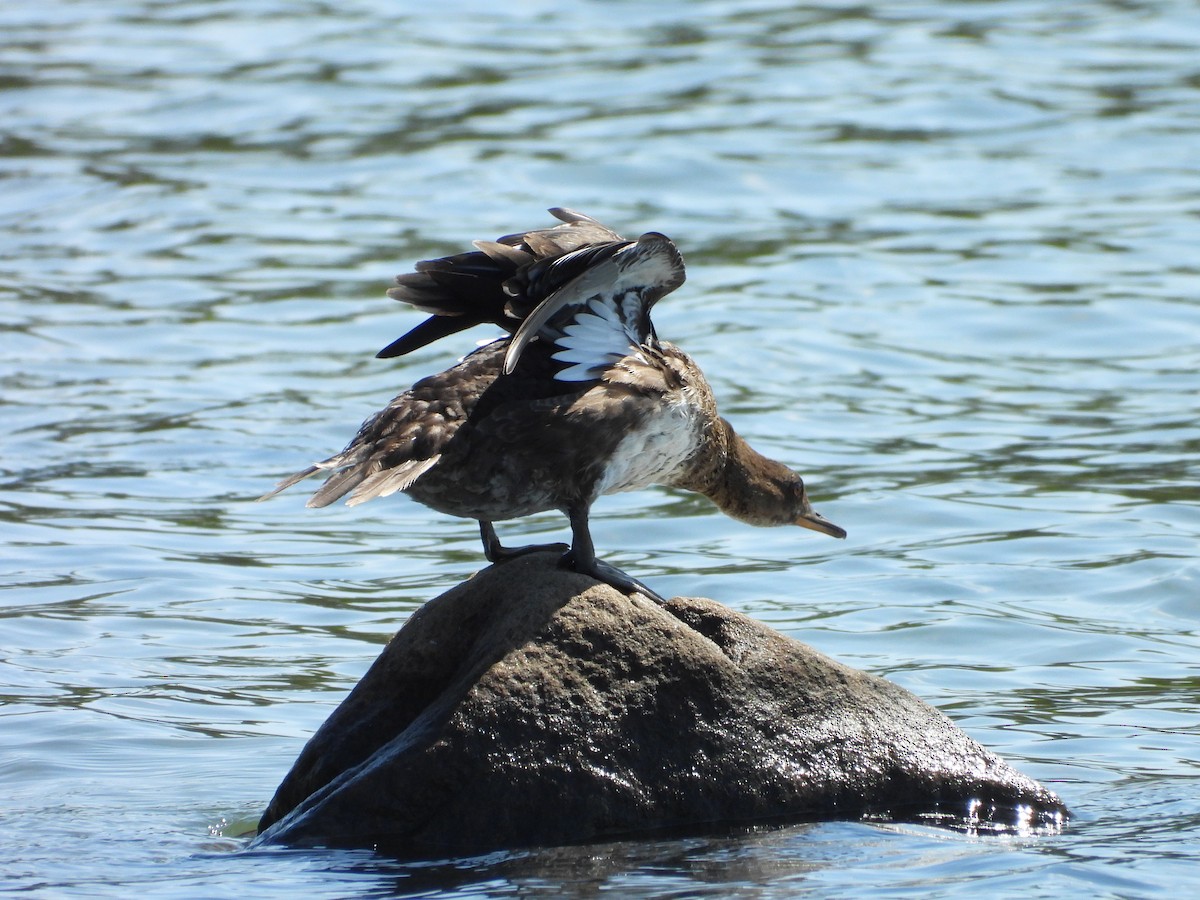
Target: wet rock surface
[534, 706]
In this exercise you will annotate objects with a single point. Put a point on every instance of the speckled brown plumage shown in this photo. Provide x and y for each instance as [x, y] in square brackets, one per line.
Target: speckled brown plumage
[594, 403]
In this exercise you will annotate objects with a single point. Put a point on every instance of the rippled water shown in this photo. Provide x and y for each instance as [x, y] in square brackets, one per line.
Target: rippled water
[942, 258]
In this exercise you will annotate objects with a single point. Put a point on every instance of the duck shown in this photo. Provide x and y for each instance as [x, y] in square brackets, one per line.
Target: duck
[578, 399]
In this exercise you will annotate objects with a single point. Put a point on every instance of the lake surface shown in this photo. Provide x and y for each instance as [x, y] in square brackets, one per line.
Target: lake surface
[943, 260]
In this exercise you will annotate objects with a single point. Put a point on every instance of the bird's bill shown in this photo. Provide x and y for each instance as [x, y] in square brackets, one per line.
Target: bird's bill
[817, 522]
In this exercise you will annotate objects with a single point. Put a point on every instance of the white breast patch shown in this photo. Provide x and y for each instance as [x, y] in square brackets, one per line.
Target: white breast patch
[653, 453]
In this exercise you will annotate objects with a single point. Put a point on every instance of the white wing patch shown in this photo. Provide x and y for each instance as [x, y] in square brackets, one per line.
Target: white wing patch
[628, 282]
[595, 340]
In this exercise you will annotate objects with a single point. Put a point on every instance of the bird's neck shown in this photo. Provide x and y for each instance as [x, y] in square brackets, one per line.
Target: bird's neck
[731, 473]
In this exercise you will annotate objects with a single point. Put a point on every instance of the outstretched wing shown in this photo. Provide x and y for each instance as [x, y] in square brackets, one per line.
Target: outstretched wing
[472, 288]
[578, 289]
[597, 302]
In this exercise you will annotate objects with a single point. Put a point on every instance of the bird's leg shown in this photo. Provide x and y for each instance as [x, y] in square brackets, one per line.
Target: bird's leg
[497, 552]
[582, 558]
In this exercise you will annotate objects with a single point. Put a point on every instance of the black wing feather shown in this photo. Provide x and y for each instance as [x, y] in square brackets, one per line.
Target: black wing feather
[486, 285]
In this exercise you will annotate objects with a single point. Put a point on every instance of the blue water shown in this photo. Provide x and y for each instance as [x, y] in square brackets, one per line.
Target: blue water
[942, 260]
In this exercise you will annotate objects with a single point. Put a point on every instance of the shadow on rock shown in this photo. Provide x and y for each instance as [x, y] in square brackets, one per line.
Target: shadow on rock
[534, 706]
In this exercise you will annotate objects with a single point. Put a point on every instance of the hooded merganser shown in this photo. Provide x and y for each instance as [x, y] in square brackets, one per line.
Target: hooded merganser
[581, 400]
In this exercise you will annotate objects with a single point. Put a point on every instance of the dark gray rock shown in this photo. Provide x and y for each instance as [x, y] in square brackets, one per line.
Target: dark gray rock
[533, 706]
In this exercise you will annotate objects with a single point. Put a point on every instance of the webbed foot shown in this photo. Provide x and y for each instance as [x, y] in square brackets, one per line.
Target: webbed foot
[610, 575]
